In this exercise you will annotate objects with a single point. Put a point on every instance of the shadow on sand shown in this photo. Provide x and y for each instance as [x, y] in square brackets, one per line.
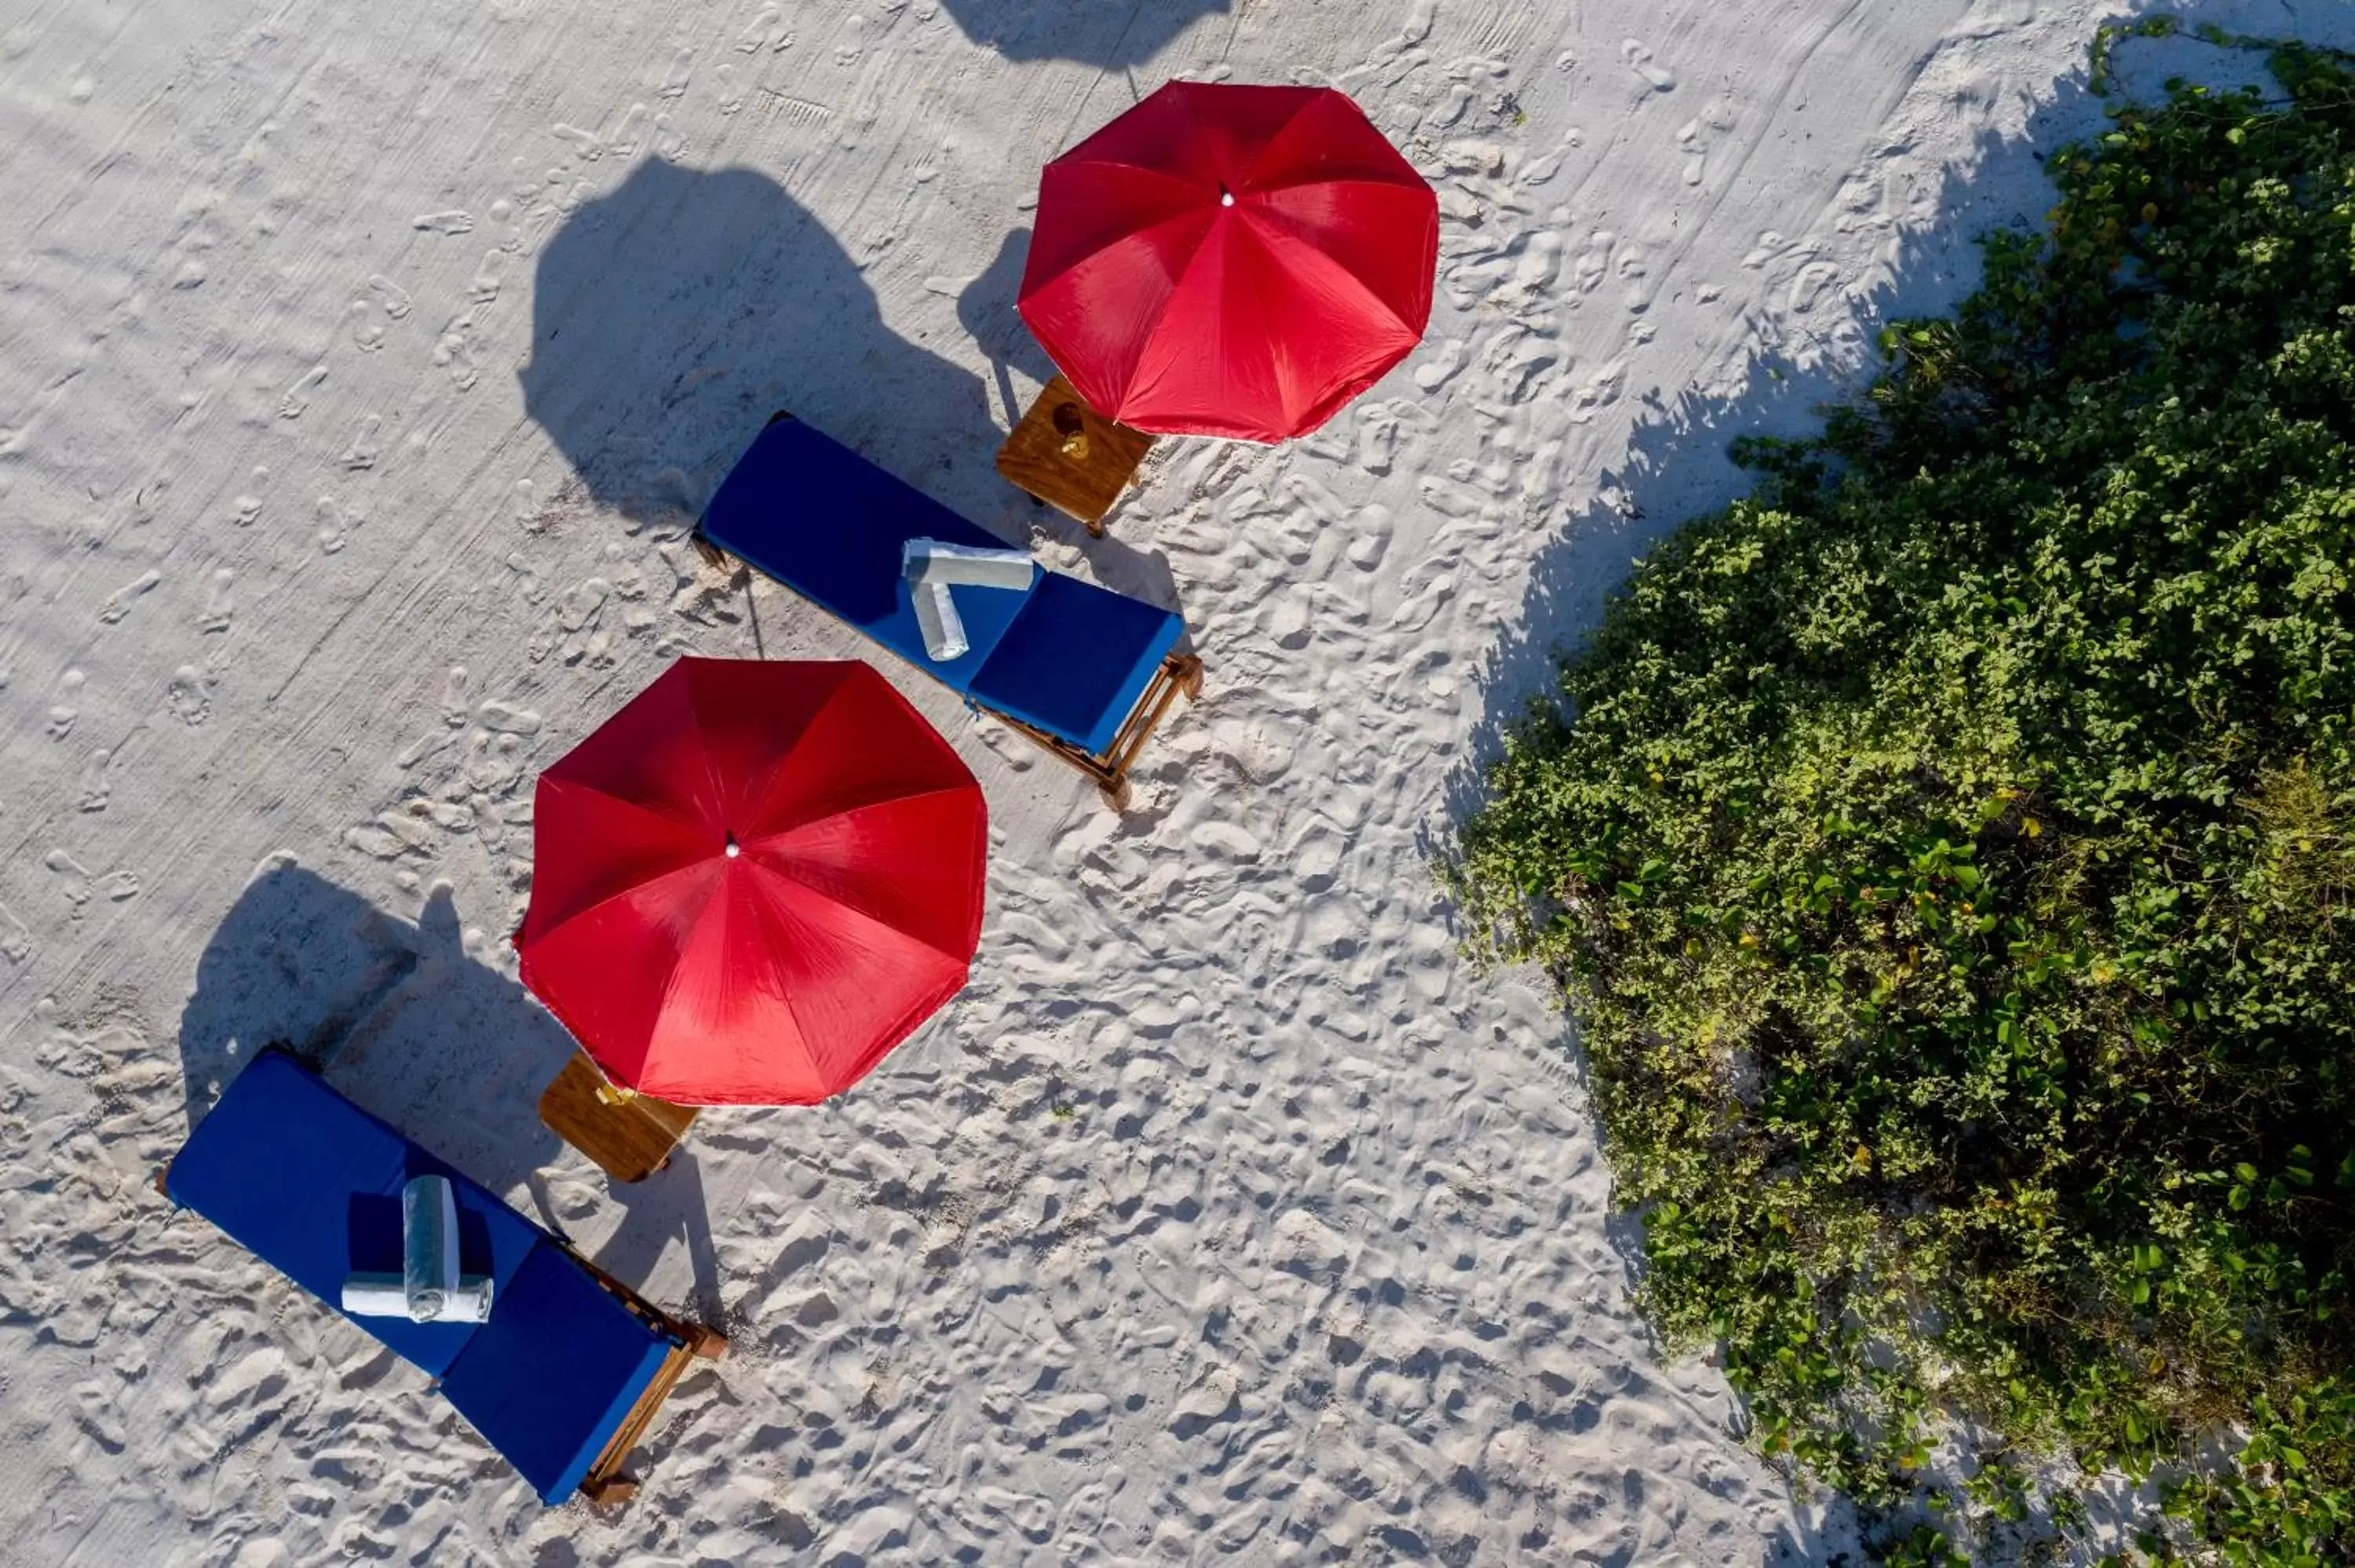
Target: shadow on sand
[1111, 34]
[673, 315]
[401, 1020]
[987, 309]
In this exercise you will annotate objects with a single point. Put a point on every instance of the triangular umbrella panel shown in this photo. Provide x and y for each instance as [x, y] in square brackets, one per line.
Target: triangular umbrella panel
[753, 881]
[1230, 260]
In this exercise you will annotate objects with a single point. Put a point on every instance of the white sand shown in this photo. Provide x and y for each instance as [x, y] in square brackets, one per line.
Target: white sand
[1225, 1213]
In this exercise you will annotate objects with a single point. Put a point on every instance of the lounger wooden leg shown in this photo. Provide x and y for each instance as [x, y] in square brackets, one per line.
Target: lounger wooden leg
[1186, 669]
[1180, 675]
[708, 1343]
[610, 1494]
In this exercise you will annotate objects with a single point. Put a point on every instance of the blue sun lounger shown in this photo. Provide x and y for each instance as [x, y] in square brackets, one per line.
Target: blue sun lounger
[1086, 673]
[571, 1366]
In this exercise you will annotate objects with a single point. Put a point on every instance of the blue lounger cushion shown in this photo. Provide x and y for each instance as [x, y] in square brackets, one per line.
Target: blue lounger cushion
[560, 1363]
[311, 1184]
[1066, 657]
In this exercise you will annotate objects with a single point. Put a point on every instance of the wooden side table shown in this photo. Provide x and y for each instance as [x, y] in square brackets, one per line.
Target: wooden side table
[1071, 457]
[629, 1135]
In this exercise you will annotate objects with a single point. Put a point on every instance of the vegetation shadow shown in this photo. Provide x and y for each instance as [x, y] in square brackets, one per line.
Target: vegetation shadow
[1679, 466]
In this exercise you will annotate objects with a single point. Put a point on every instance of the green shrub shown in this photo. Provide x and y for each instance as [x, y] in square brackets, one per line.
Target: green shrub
[1946, 849]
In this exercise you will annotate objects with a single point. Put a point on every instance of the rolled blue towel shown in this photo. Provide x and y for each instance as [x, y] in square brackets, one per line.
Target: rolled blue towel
[429, 1231]
[429, 1288]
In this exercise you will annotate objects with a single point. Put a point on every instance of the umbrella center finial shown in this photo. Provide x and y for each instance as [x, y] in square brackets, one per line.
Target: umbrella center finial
[735, 849]
[1226, 197]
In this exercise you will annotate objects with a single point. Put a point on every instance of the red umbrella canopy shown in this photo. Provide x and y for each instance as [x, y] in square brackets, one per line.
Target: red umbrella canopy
[1230, 260]
[753, 881]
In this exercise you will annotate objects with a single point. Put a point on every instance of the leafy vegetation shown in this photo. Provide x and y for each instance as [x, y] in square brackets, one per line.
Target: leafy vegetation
[1950, 849]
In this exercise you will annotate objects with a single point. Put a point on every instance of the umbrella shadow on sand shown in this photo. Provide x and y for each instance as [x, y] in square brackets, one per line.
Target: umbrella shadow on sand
[986, 308]
[1110, 34]
[674, 314]
[400, 1019]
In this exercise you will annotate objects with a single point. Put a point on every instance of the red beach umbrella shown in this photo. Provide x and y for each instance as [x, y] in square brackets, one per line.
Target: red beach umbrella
[1230, 260]
[753, 881]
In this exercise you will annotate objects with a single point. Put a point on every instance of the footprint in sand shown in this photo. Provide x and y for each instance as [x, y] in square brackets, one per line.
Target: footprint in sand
[1441, 366]
[622, 139]
[425, 746]
[118, 603]
[587, 145]
[1593, 264]
[96, 787]
[297, 398]
[220, 605]
[1377, 446]
[187, 695]
[1370, 537]
[246, 508]
[526, 588]
[392, 296]
[454, 697]
[455, 221]
[362, 452]
[503, 718]
[1639, 61]
[755, 38]
[1541, 264]
[366, 331]
[1808, 285]
[63, 711]
[115, 886]
[453, 352]
[490, 277]
[16, 937]
[1695, 138]
[1601, 391]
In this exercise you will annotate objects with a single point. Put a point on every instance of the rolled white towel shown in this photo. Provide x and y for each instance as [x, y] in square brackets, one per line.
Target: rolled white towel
[376, 1296]
[470, 1302]
[386, 1295]
[933, 561]
[937, 618]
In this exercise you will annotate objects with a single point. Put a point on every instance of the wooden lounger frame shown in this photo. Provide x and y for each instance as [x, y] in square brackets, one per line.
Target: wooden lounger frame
[605, 1485]
[1180, 675]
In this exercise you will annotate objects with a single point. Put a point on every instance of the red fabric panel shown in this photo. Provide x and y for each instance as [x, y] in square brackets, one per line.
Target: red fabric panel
[781, 974]
[1230, 260]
